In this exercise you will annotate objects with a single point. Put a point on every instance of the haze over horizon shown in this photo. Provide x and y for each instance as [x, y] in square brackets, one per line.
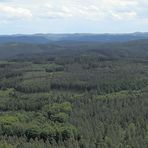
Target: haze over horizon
[73, 33]
[67, 16]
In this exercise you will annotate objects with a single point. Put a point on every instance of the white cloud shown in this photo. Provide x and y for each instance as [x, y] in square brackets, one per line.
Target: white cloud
[85, 9]
[11, 12]
[124, 15]
[95, 9]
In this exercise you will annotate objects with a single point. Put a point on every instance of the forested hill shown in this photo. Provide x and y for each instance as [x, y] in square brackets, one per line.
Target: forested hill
[79, 37]
[23, 39]
[69, 94]
[138, 48]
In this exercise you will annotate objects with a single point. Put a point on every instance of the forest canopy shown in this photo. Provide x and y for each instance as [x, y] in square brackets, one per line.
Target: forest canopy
[74, 95]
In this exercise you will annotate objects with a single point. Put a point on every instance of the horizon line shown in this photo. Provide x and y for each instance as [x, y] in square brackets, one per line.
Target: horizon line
[74, 33]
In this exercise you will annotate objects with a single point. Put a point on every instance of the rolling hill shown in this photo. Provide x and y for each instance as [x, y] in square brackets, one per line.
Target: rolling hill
[47, 38]
[128, 49]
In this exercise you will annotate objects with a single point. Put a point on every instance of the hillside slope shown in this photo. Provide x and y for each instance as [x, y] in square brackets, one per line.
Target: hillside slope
[78, 37]
[111, 50]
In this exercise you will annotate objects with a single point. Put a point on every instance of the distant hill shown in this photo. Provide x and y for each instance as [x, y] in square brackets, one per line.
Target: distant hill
[97, 37]
[10, 50]
[138, 48]
[24, 39]
[47, 38]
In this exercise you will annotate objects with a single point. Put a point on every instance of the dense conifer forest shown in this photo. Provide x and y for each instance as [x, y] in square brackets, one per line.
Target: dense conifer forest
[74, 95]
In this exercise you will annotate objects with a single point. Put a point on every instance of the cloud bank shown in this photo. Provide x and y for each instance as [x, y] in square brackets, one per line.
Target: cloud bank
[8, 12]
[83, 10]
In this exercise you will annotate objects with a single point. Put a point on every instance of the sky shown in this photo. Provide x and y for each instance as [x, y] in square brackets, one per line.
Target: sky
[73, 16]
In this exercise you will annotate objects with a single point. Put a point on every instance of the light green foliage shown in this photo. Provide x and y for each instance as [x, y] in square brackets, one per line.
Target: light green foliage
[58, 112]
[7, 119]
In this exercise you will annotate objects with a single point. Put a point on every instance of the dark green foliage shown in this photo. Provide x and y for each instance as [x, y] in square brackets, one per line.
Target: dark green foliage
[55, 68]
